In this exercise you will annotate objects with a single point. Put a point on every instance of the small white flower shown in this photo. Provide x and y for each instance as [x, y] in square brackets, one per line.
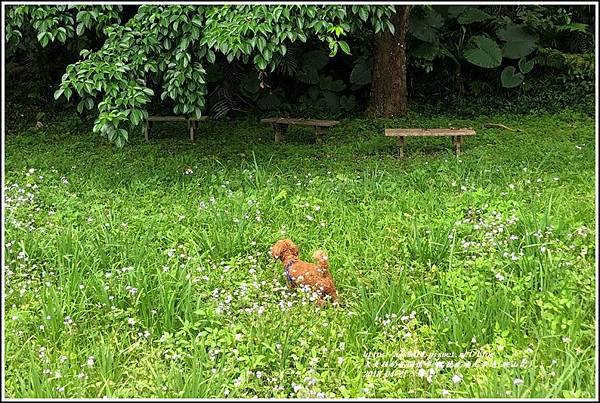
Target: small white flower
[566, 340]
[445, 392]
[131, 321]
[473, 340]
[518, 381]
[457, 378]
[90, 361]
[499, 276]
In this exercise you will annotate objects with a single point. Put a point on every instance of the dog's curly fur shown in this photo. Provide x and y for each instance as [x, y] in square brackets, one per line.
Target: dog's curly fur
[316, 276]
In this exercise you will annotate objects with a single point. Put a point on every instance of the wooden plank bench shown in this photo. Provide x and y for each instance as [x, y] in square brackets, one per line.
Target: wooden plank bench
[191, 122]
[457, 136]
[280, 126]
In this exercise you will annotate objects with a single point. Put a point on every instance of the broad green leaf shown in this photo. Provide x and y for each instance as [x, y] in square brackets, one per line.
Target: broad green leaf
[425, 25]
[519, 42]
[483, 52]
[509, 78]
[473, 14]
[425, 50]
[526, 66]
[455, 11]
[314, 60]
[361, 73]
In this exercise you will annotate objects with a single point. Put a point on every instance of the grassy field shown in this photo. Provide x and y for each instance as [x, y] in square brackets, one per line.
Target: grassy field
[144, 271]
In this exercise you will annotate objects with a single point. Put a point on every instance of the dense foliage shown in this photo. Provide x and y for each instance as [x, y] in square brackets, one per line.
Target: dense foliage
[299, 60]
[170, 45]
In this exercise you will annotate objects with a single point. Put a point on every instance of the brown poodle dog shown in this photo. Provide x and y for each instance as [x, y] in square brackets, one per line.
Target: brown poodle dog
[298, 273]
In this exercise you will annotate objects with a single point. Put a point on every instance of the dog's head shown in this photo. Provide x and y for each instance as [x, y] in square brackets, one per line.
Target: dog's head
[284, 248]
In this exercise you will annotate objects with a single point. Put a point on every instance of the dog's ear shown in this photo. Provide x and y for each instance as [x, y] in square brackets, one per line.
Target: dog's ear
[276, 250]
[292, 247]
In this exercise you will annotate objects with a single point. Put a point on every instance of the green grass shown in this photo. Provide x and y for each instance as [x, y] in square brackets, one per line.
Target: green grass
[125, 276]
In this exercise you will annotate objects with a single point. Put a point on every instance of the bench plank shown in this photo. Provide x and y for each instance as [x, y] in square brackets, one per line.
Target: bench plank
[429, 132]
[457, 136]
[306, 122]
[191, 122]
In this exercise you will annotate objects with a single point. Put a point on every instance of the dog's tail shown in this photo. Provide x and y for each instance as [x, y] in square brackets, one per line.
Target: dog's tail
[322, 259]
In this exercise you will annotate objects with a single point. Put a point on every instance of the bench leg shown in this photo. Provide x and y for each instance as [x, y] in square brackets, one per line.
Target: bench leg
[280, 130]
[146, 129]
[456, 142]
[400, 147]
[192, 126]
[319, 131]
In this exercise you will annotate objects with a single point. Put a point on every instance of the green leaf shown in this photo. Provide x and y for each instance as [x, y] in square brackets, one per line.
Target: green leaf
[80, 29]
[345, 47]
[519, 41]
[333, 45]
[68, 93]
[425, 50]
[58, 93]
[363, 14]
[526, 66]
[425, 25]
[455, 11]
[332, 100]
[308, 76]
[473, 14]
[390, 26]
[314, 60]
[210, 56]
[509, 78]
[44, 41]
[483, 52]
[361, 73]
[326, 83]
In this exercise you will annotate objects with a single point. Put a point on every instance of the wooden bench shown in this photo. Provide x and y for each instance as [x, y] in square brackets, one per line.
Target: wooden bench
[191, 122]
[280, 126]
[457, 136]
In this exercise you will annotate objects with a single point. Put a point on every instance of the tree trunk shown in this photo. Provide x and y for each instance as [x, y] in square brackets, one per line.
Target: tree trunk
[389, 88]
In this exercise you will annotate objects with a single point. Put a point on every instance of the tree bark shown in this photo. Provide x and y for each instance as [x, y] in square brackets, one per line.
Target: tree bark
[389, 94]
